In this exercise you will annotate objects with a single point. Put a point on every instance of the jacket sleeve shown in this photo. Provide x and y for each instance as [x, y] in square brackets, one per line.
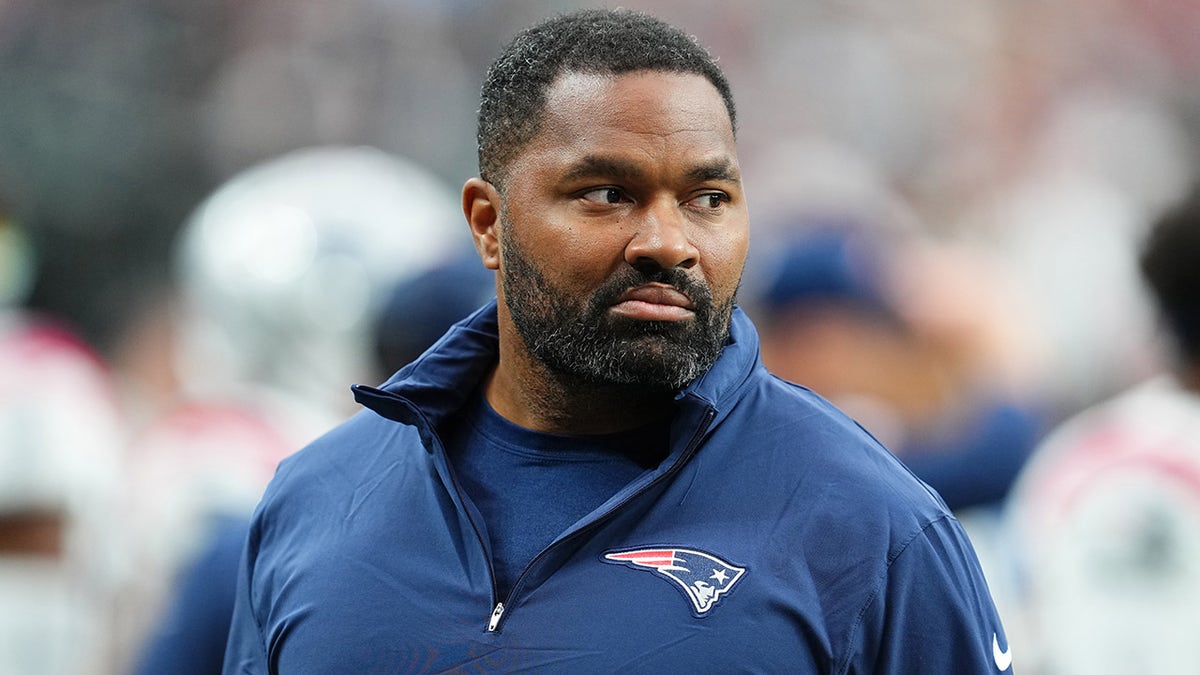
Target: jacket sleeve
[245, 653]
[932, 612]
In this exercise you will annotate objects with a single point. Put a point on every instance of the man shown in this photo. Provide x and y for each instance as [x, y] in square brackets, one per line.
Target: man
[595, 472]
[1107, 508]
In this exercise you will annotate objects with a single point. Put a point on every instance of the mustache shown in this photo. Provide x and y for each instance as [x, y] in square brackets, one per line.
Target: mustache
[631, 277]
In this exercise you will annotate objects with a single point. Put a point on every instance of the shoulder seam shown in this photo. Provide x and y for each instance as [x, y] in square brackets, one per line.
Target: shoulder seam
[844, 662]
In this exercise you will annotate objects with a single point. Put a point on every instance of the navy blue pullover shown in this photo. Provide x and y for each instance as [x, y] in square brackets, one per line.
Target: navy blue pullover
[777, 536]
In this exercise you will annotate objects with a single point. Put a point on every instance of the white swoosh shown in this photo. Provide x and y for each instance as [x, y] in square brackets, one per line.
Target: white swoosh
[1003, 659]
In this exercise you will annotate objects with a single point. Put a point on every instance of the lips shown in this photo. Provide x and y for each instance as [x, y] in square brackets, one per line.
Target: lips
[658, 294]
[655, 302]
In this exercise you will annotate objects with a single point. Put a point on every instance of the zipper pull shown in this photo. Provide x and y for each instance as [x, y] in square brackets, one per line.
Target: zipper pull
[496, 614]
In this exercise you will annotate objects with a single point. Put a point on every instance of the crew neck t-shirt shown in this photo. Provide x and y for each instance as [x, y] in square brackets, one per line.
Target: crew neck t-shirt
[529, 487]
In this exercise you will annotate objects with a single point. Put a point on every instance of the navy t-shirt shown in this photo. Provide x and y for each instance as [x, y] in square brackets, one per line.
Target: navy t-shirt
[529, 487]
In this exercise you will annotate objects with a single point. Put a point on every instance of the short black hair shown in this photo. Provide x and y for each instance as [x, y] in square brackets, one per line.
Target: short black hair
[1170, 264]
[588, 41]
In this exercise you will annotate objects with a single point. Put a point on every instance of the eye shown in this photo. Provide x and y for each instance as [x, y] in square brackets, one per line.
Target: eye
[710, 200]
[604, 195]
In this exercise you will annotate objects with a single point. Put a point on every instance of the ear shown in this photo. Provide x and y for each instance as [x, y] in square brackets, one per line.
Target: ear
[481, 206]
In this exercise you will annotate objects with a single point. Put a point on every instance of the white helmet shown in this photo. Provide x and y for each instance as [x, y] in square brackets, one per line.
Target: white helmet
[285, 265]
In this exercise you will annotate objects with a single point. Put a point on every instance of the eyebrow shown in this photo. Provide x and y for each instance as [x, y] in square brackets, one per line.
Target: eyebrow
[595, 165]
[719, 169]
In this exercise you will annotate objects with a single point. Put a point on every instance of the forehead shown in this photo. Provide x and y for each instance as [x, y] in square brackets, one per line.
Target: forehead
[590, 111]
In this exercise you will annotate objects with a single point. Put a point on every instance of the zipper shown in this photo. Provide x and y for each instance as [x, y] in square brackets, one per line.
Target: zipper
[427, 430]
[498, 612]
[495, 620]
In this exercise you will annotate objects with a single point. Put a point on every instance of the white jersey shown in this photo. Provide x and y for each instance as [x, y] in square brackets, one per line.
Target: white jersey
[1107, 516]
[60, 444]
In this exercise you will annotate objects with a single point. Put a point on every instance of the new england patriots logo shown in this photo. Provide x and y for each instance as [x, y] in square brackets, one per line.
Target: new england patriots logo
[703, 578]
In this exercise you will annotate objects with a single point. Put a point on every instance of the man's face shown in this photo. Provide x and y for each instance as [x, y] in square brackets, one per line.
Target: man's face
[624, 230]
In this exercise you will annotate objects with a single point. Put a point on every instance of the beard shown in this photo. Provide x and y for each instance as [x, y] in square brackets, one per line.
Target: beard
[580, 340]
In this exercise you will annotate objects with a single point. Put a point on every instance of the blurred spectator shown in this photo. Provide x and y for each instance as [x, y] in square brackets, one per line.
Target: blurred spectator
[282, 272]
[910, 340]
[60, 441]
[1107, 514]
[189, 635]
[59, 462]
[420, 310]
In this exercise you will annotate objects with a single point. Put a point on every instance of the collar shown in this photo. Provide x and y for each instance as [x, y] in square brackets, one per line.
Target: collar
[439, 382]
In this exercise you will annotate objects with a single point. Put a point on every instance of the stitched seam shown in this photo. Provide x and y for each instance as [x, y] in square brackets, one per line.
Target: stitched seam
[844, 665]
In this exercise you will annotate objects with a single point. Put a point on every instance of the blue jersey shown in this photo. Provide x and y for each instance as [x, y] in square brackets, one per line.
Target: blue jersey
[190, 637]
[776, 536]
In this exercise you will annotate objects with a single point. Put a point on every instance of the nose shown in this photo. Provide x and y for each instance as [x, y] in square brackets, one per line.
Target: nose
[661, 239]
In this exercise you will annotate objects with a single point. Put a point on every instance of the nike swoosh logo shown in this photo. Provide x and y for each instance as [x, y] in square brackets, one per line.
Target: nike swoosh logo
[1003, 659]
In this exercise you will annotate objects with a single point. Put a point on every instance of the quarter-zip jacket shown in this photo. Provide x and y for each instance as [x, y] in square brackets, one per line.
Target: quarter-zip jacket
[777, 536]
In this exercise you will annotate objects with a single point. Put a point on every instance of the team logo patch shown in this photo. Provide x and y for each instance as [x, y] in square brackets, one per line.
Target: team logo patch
[702, 577]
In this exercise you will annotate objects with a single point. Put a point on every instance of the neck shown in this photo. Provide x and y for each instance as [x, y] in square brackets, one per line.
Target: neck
[527, 393]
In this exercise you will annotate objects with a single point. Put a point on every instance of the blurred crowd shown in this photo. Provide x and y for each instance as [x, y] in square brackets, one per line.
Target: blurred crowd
[216, 216]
